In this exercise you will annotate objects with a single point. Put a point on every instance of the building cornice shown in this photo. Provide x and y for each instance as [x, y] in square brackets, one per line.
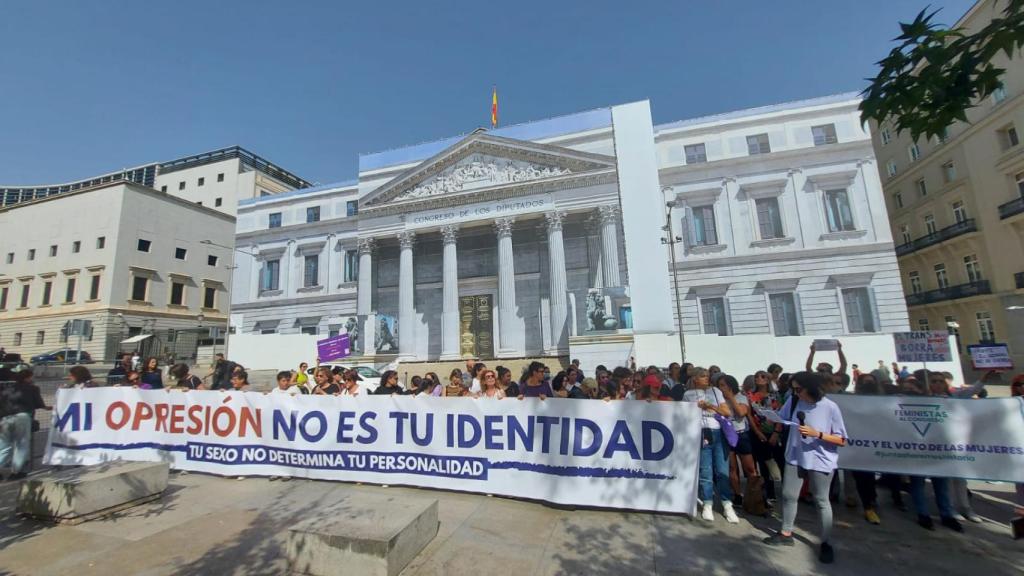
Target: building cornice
[261, 304]
[803, 254]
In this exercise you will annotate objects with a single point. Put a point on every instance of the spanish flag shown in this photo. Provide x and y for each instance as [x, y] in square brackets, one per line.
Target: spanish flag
[494, 108]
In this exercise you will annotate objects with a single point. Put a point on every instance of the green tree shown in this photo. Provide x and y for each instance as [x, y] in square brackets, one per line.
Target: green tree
[935, 75]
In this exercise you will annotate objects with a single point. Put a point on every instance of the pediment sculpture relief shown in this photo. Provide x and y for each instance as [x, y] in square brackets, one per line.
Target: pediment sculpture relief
[481, 171]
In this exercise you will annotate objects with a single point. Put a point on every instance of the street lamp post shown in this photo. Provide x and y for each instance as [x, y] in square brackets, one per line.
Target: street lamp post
[671, 241]
[231, 276]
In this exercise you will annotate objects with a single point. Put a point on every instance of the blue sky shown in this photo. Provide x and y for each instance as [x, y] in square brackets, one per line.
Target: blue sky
[90, 87]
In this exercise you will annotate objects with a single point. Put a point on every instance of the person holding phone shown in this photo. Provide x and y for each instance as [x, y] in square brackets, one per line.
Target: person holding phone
[812, 453]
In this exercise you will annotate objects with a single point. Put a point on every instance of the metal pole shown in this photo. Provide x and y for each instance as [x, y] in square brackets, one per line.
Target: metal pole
[227, 332]
[675, 279]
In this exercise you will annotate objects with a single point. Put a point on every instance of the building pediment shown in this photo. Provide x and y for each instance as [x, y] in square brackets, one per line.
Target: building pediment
[481, 163]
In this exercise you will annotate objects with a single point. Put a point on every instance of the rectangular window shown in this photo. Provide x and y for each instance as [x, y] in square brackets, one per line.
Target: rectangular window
[915, 282]
[47, 293]
[704, 231]
[713, 312]
[886, 136]
[769, 219]
[897, 199]
[1019, 178]
[929, 224]
[177, 293]
[17, 338]
[139, 288]
[271, 275]
[201, 181]
[220, 177]
[311, 330]
[180, 253]
[351, 265]
[311, 271]
[352, 208]
[69, 291]
[837, 211]
[312, 214]
[914, 152]
[986, 329]
[785, 320]
[25, 289]
[275, 220]
[890, 168]
[4, 292]
[211, 260]
[949, 171]
[922, 188]
[31, 254]
[76, 246]
[53, 251]
[942, 136]
[163, 188]
[758, 144]
[1007, 137]
[101, 242]
[999, 94]
[695, 153]
[143, 245]
[959, 212]
[922, 325]
[10, 257]
[209, 297]
[181, 185]
[218, 202]
[860, 315]
[941, 279]
[94, 287]
[40, 337]
[824, 134]
[973, 268]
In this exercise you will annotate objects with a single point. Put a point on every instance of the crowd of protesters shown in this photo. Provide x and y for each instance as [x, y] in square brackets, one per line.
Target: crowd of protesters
[746, 460]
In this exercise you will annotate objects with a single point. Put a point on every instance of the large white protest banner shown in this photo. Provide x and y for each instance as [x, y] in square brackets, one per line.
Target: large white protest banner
[625, 454]
[930, 436]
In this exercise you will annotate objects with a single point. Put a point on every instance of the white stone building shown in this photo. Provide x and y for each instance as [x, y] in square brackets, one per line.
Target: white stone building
[126, 257]
[548, 239]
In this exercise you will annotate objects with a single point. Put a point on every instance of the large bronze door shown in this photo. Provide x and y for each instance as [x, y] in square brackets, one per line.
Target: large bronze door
[476, 323]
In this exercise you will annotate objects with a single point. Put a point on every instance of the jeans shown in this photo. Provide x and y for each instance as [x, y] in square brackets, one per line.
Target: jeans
[714, 468]
[941, 488]
[865, 482]
[15, 436]
[792, 481]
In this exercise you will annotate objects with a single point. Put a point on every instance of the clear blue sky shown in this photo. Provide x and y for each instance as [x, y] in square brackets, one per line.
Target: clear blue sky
[90, 87]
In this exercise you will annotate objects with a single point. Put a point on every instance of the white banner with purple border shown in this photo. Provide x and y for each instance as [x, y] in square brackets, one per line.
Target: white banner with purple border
[932, 436]
[624, 454]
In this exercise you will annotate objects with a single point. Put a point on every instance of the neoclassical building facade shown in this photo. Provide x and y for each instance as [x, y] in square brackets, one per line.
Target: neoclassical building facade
[597, 234]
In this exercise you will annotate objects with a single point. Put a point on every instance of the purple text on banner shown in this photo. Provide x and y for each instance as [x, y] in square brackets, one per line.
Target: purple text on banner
[333, 348]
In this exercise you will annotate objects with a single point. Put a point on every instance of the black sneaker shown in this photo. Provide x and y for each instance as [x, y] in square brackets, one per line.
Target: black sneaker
[952, 523]
[778, 539]
[827, 554]
[925, 522]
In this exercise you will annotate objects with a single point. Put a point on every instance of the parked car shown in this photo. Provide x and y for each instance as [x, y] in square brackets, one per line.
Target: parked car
[62, 357]
[371, 377]
[11, 361]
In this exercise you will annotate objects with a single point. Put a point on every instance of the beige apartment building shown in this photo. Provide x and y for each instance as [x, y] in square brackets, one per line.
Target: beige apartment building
[956, 205]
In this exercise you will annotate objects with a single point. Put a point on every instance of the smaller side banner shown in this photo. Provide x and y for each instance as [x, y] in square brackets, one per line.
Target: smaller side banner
[626, 454]
[930, 436]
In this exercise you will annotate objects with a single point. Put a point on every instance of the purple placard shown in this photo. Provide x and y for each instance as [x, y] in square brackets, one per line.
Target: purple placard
[333, 348]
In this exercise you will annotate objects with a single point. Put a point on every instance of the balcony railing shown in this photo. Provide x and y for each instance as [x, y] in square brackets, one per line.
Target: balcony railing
[1011, 208]
[1018, 279]
[946, 233]
[950, 293]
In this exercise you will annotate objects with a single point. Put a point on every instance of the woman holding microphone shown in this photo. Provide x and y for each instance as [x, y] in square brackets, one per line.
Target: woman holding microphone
[812, 453]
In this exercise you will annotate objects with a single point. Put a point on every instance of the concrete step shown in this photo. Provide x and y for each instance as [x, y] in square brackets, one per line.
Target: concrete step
[364, 534]
[79, 494]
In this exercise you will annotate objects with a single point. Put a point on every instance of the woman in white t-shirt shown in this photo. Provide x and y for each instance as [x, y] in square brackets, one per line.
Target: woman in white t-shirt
[714, 468]
[491, 390]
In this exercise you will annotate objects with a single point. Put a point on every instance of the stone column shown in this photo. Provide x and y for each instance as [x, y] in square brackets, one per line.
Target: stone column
[333, 266]
[450, 298]
[255, 273]
[364, 297]
[609, 218]
[406, 298]
[557, 282]
[506, 286]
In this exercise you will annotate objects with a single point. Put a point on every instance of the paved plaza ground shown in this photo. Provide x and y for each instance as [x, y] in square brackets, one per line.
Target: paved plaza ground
[222, 526]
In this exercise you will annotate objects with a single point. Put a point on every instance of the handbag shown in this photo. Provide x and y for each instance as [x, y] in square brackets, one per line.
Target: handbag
[753, 496]
[728, 430]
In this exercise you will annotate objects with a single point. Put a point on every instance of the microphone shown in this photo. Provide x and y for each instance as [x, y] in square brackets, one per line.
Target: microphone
[800, 416]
